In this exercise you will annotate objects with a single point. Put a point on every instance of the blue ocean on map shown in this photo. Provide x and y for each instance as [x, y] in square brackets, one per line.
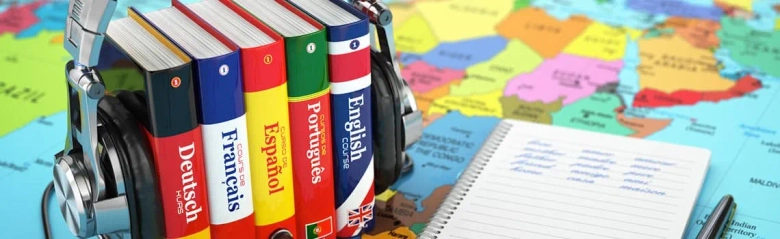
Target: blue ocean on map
[27, 158]
[614, 13]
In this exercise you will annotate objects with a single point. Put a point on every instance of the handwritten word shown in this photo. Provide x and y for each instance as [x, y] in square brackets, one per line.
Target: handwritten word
[653, 161]
[589, 174]
[522, 170]
[637, 181]
[536, 157]
[582, 165]
[582, 180]
[536, 165]
[539, 143]
[642, 167]
[632, 173]
[597, 160]
[20, 93]
[544, 151]
[595, 152]
[643, 190]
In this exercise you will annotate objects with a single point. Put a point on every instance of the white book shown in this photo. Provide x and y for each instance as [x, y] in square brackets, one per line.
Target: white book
[538, 181]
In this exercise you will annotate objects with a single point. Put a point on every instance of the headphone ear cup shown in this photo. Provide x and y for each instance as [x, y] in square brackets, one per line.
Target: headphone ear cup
[137, 165]
[388, 124]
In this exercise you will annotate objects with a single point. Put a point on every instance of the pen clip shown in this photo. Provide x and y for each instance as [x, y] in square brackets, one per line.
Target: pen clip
[719, 220]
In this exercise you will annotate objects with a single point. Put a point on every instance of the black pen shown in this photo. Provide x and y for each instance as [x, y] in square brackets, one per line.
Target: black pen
[718, 222]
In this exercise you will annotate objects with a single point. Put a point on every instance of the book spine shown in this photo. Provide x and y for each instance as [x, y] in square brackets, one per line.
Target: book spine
[220, 101]
[176, 143]
[310, 126]
[268, 120]
[350, 77]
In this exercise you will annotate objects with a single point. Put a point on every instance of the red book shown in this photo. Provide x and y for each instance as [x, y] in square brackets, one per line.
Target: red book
[164, 104]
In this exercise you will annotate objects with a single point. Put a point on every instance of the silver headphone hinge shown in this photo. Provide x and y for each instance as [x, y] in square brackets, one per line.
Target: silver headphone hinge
[382, 19]
[85, 91]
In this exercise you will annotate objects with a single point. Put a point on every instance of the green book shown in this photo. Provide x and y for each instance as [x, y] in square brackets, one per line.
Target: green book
[308, 92]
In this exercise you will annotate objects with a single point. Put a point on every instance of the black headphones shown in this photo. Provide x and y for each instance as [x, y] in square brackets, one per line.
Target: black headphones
[105, 180]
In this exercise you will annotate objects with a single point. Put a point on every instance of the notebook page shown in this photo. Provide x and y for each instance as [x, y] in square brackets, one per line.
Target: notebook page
[551, 182]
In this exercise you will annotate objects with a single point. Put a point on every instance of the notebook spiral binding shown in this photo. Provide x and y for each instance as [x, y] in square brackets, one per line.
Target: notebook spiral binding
[445, 211]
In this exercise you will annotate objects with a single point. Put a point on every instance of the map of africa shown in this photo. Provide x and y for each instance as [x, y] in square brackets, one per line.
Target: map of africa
[693, 72]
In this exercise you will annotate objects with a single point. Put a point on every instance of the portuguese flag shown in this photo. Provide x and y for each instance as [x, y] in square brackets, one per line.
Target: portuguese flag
[319, 229]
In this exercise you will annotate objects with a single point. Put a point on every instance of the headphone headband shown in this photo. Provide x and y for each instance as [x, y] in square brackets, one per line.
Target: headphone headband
[93, 199]
[382, 19]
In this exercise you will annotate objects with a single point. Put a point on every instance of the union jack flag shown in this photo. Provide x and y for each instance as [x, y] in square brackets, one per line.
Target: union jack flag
[359, 216]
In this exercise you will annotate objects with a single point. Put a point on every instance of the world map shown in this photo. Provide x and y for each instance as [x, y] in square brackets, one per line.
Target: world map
[698, 72]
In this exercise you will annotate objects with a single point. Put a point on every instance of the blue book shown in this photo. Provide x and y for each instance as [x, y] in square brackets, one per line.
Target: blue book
[221, 114]
[349, 63]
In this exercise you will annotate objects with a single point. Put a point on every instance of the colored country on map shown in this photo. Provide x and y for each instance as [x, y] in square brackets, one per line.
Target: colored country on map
[457, 20]
[568, 76]
[669, 63]
[602, 42]
[401, 12]
[538, 111]
[698, 32]
[39, 88]
[386, 195]
[643, 127]
[397, 232]
[519, 4]
[494, 74]
[736, 12]
[652, 98]
[402, 211]
[542, 32]
[459, 55]
[51, 17]
[445, 149]
[754, 49]
[742, 4]
[427, 119]
[595, 113]
[19, 17]
[423, 77]
[414, 36]
[676, 8]
[424, 100]
[473, 105]
[57, 39]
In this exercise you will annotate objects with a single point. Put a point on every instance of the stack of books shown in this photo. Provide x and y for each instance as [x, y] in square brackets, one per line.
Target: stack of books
[258, 113]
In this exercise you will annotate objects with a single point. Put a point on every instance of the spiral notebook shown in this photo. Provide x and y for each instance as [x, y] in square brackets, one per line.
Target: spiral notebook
[537, 181]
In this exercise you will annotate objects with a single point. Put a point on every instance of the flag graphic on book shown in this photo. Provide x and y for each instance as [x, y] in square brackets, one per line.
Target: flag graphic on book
[319, 229]
[361, 215]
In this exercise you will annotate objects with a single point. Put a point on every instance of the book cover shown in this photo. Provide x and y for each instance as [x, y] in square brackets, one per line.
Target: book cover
[167, 113]
[268, 118]
[350, 77]
[310, 128]
[220, 110]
